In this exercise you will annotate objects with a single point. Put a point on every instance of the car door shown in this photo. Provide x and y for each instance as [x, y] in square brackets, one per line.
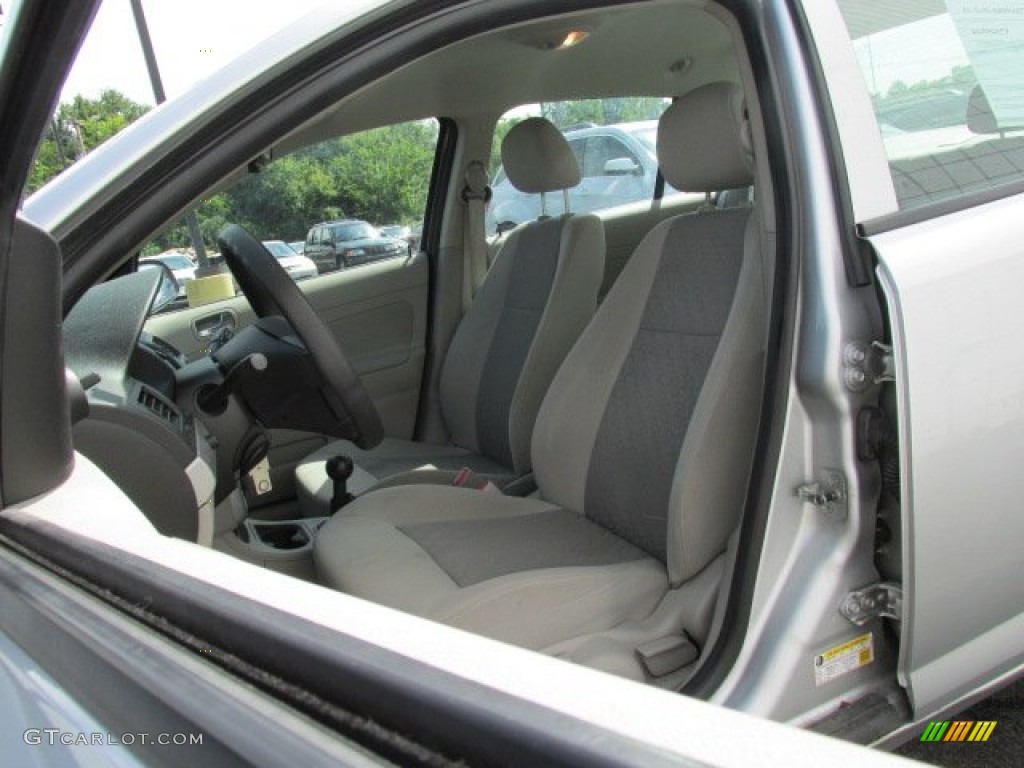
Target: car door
[612, 175]
[940, 207]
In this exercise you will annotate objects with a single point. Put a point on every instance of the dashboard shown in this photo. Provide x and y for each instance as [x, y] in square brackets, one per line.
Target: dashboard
[136, 429]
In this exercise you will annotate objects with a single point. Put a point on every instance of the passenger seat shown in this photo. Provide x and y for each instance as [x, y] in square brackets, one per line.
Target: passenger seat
[536, 299]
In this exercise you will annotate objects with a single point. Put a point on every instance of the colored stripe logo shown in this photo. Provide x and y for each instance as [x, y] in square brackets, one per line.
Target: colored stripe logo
[958, 730]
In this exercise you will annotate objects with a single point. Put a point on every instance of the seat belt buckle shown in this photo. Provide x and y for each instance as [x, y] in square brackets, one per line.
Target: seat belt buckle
[466, 478]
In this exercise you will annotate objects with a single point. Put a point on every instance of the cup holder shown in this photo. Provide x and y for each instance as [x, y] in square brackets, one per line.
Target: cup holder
[283, 536]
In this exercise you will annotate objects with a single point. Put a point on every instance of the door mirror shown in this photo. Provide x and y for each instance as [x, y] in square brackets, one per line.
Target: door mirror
[622, 166]
[168, 292]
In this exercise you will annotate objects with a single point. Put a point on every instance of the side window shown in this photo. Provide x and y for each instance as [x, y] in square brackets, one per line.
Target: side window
[613, 140]
[948, 91]
[357, 183]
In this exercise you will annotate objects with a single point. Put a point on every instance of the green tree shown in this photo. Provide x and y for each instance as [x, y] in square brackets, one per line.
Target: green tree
[380, 175]
[568, 114]
[383, 175]
[78, 128]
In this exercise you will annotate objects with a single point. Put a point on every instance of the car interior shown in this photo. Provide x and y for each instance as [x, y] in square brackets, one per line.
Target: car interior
[555, 454]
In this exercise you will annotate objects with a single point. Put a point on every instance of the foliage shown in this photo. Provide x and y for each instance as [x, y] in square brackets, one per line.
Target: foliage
[960, 77]
[78, 128]
[380, 176]
[576, 114]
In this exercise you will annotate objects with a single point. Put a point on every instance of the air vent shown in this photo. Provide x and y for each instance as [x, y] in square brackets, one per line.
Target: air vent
[159, 407]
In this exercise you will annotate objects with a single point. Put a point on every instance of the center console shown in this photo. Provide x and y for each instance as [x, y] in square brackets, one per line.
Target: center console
[281, 545]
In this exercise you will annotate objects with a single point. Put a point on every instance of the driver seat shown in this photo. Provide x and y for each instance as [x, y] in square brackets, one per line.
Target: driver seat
[642, 448]
[534, 302]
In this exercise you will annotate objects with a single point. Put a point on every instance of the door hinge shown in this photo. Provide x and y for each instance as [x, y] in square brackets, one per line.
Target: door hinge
[877, 601]
[865, 365]
[827, 494]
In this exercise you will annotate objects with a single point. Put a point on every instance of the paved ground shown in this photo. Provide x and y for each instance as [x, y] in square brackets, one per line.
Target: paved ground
[1004, 748]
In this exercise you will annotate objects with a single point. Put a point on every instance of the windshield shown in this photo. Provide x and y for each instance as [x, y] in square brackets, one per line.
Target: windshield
[109, 86]
[279, 249]
[648, 137]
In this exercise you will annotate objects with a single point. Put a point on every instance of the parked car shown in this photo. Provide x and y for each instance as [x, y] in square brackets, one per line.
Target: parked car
[618, 165]
[297, 266]
[299, 246]
[773, 491]
[348, 243]
[183, 268]
[401, 232]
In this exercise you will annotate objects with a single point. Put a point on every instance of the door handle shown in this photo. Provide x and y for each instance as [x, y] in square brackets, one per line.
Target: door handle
[208, 326]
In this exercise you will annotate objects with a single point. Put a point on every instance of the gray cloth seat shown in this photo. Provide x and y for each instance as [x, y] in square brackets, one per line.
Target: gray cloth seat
[537, 297]
[642, 445]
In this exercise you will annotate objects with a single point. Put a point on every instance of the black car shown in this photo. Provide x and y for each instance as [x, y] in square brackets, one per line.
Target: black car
[338, 244]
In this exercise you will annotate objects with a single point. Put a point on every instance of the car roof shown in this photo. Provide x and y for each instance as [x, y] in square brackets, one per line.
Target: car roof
[626, 128]
[335, 222]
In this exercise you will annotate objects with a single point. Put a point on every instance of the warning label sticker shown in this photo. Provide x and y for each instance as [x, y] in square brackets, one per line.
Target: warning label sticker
[843, 659]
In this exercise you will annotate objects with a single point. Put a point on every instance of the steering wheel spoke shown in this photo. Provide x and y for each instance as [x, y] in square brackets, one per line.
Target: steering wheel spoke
[271, 292]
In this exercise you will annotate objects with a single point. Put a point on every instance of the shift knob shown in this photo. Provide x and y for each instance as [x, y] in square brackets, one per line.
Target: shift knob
[339, 469]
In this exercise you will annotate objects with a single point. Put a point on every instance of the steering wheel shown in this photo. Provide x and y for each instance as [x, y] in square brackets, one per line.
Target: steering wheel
[271, 291]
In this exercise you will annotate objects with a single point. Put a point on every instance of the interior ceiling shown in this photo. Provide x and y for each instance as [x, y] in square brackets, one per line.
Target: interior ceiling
[650, 49]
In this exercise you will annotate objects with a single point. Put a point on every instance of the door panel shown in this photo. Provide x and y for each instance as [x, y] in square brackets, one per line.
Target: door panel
[377, 312]
[953, 289]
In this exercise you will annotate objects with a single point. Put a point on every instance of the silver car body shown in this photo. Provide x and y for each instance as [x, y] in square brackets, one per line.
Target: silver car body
[295, 264]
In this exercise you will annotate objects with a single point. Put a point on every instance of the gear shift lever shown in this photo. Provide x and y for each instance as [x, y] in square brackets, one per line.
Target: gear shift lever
[339, 469]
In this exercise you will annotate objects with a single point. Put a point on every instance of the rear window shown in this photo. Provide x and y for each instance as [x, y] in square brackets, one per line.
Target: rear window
[613, 140]
[279, 249]
[357, 231]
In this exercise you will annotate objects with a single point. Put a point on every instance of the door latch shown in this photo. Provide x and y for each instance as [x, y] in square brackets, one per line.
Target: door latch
[827, 494]
[882, 600]
[865, 365]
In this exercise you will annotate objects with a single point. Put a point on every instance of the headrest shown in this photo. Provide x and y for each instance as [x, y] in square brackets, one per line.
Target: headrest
[704, 140]
[537, 158]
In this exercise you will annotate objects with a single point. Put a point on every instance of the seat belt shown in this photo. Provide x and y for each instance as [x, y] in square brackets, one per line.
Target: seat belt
[476, 194]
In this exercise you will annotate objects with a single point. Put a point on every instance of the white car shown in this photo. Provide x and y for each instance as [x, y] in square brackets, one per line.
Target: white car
[181, 266]
[295, 264]
[695, 480]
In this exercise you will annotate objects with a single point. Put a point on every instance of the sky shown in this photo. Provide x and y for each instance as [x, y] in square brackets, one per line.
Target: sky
[192, 39]
[926, 50]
